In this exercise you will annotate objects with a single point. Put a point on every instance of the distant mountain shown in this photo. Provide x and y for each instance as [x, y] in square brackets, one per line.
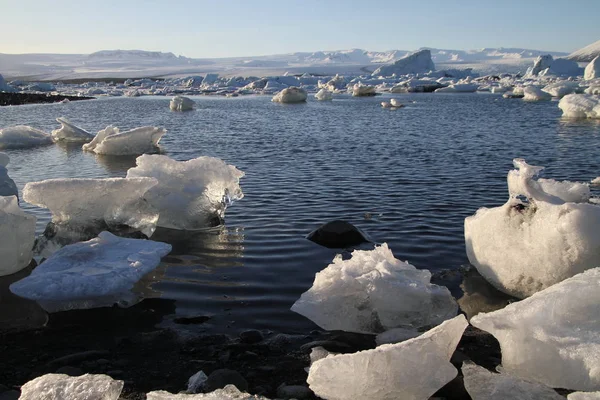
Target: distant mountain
[586, 54]
[155, 55]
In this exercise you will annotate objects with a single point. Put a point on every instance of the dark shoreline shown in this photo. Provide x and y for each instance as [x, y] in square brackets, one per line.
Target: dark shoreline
[17, 99]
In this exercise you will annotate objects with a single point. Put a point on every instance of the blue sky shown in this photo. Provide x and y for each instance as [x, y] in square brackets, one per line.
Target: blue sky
[202, 28]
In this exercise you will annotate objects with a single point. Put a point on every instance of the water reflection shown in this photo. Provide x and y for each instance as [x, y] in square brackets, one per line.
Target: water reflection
[116, 165]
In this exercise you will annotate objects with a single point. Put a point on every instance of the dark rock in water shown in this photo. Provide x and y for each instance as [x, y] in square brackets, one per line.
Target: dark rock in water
[294, 392]
[223, 377]
[191, 320]
[10, 395]
[251, 336]
[68, 370]
[338, 234]
[329, 345]
[15, 99]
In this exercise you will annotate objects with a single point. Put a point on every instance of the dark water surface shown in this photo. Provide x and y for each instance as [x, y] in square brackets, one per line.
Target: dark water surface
[418, 171]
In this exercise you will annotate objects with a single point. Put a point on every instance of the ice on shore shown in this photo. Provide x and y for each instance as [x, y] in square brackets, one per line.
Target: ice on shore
[552, 337]
[181, 103]
[360, 90]
[191, 194]
[111, 141]
[324, 95]
[592, 70]
[8, 187]
[580, 106]
[229, 392]
[89, 202]
[485, 385]
[373, 292]
[528, 245]
[65, 387]
[70, 133]
[534, 93]
[292, 94]
[22, 136]
[96, 273]
[17, 235]
[412, 370]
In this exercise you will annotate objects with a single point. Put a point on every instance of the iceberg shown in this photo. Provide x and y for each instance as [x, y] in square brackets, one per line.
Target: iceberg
[415, 63]
[560, 89]
[593, 89]
[22, 136]
[5, 87]
[292, 94]
[528, 245]
[191, 194]
[360, 90]
[458, 88]
[17, 235]
[96, 273]
[324, 95]
[552, 337]
[416, 86]
[534, 93]
[65, 387]
[229, 392]
[111, 141]
[546, 65]
[396, 103]
[70, 133]
[412, 370]
[181, 103]
[592, 70]
[373, 292]
[82, 202]
[580, 106]
[8, 187]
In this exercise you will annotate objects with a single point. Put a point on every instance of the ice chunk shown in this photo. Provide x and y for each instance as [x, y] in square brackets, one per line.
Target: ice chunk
[70, 133]
[65, 387]
[415, 63]
[552, 337]
[360, 90]
[17, 234]
[373, 292]
[534, 93]
[560, 89]
[485, 385]
[292, 94]
[229, 392]
[396, 335]
[386, 104]
[596, 181]
[190, 194]
[525, 246]
[181, 103]
[573, 192]
[414, 369]
[584, 396]
[592, 71]
[22, 136]
[580, 106]
[593, 89]
[5, 87]
[134, 142]
[540, 64]
[89, 274]
[7, 185]
[83, 202]
[396, 103]
[459, 88]
[324, 95]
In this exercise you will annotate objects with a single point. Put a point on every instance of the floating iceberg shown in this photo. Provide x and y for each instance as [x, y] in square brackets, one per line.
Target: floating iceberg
[191, 194]
[5, 87]
[70, 133]
[580, 106]
[108, 202]
[133, 142]
[546, 65]
[229, 392]
[373, 292]
[412, 370]
[534, 93]
[181, 103]
[22, 136]
[96, 273]
[324, 95]
[592, 71]
[17, 235]
[458, 88]
[396, 103]
[560, 89]
[360, 90]
[523, 247]
[485, 385]
[8, 187]
[552, 337]
[292, 94]
[64, 387]
[415, 63]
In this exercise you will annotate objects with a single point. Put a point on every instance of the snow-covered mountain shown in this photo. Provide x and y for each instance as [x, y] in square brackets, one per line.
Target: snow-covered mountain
[587, 53]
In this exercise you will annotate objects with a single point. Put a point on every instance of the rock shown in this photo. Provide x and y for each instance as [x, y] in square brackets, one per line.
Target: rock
[337, 234]
[222, 377]
[64, 387]
[251, 336]
[10, 395]
[78, 357]
[329, 345]
[68, 370]
[294, 392]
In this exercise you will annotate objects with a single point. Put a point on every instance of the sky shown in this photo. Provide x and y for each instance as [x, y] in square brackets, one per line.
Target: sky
[229, 28]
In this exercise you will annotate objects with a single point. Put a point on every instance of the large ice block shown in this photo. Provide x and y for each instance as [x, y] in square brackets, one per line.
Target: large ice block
[181, 103]
[22, 136]
[7, 185]
[229, 392]
[110, 141]
[291, 95]
[68, 132]
[64, 387]
[17, 234]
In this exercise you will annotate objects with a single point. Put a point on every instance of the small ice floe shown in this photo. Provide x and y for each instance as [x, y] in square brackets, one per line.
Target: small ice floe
[65, 387]
[8, 187]
[22, 136]
[111, 141]
[458, 88]
[386, 104]
[181, 103]
[373, 292]
[596, 181]
[556, 214]
[552, 337]
[415, 368]
[593, 89]
[500, 89]
[96, 273]
[580, 106]
[561, 89]
[17, 235]
[361, 90]
[396, 103]
[324, 95]
[516, 93]
[292, 94]
[534, 93]
[229, 392]
[70, 133]
[191, 194]
[482, 384]
[592, 71]
[584, 396]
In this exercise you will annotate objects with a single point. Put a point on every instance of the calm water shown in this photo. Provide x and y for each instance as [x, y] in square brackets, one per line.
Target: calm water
[418, 171]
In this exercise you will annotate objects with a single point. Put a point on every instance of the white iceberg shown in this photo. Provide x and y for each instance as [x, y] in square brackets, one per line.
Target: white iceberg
[458, 88]
[82, 202]
[534, 93]
[596, 181]
[560, 89]
[386, 104]
[584, 396]
[416, 86]
[412, 370]
[580, 106]
[22, 136]
[5, 87]
[70, 133]
[292, 94]
[373, 292]
[523, 247]
[96, 273]
[396, 103]
[181, 103]
[552, 337]
[17, 235]
[360, 90]
[64, 387]
[111, 141]
[592, 70]
[229, 392]
[324, 95]
[416, 63]
[191, 194]
[539, 64]
[8, 187]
